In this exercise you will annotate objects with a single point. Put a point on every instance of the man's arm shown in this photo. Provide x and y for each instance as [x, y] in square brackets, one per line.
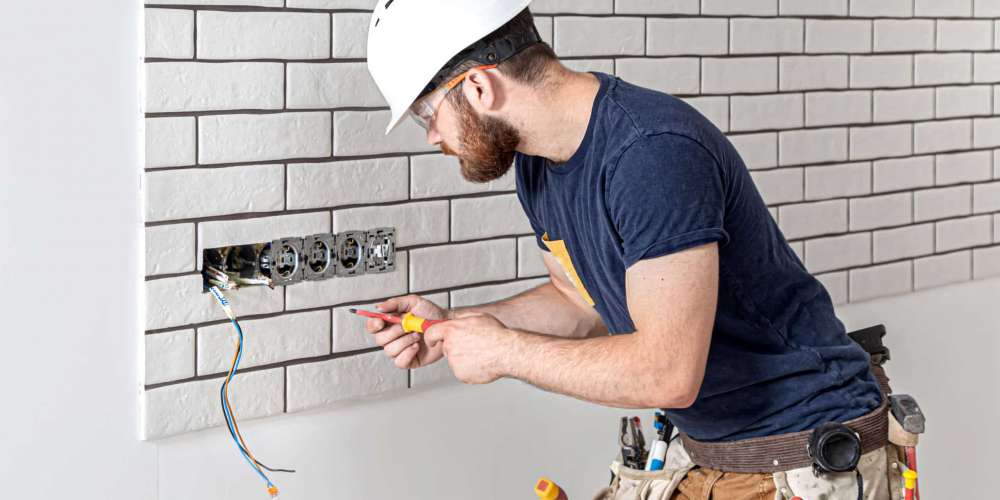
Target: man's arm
[555, 308]
[672, 301]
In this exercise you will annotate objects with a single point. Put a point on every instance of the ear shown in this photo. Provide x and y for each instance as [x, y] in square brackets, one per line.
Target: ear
[480, 88]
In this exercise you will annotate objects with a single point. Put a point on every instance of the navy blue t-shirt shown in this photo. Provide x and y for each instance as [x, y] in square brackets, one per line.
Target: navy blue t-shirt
[653, 177]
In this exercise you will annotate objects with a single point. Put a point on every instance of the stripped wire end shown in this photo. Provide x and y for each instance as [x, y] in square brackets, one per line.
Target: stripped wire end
[273, 491]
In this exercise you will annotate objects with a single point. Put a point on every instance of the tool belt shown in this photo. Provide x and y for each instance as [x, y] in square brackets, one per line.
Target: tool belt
[790, 451]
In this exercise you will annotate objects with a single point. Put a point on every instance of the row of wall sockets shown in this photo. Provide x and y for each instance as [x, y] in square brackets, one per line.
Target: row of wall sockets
[287, 261]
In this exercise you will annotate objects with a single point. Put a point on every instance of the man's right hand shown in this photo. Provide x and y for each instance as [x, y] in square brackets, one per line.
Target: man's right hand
[408, 350]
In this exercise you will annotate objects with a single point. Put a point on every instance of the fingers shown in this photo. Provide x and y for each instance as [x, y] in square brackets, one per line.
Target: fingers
[406, 357]
[398, 304]
[436, 334]
[374, 325]
[399, 345]
[385, 336]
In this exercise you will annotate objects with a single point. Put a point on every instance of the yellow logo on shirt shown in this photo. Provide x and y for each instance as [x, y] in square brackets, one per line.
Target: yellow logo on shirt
[559, 251]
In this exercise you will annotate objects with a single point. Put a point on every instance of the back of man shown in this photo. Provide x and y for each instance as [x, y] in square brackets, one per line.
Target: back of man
[653, 177]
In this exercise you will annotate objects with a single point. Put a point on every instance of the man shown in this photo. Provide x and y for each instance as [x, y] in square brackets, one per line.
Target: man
[652, 231]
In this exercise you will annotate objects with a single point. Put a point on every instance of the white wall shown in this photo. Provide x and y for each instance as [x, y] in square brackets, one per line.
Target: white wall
[69, 129]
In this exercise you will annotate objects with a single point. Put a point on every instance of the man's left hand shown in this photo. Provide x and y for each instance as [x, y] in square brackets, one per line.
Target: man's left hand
[475, 345]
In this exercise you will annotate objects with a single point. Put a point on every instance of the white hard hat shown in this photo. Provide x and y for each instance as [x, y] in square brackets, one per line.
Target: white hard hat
[410, 41]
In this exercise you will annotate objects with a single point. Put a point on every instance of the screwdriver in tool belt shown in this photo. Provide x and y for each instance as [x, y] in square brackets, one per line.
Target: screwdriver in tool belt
[410, 322]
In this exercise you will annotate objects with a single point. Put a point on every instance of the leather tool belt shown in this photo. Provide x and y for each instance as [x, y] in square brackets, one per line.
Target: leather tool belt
[785, 452]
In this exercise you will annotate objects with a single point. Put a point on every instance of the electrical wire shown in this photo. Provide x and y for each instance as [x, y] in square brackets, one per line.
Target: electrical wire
[227, 410]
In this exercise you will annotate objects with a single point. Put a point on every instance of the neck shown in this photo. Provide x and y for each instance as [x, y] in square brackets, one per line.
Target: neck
[555, 119]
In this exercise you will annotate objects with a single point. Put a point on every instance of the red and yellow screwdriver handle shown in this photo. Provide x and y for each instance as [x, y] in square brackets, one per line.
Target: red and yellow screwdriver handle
[410, 322]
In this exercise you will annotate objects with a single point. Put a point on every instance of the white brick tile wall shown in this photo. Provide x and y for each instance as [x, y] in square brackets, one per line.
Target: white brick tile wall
[243, 138]
[812, 146]
[964, 233]
[986, 198]
[938, 69]
[179, 301]
[903, 105]
[780, 111]
[838, 108]
[838, 181]
[170, 33]
[905, 242]
[253, 395]
[493, 261]
[433, 176]
[363, 133]
[881, 71]
[219, 233]
[932, 137]
[367, 287]
[170, 249]
[881, 211]
[765, 36]
[813, 72]
[667, 37]
[882, 114]
[739, 7]
[487, 217]
[200, 192]
[781, 185]
[881, 141]
[942, 8]
[170, 142]
[529, 258]
[331, 85]
[349, 333]
[657, 6]
[964, 101]
[837, 36]
[838, 252]
[904, 35]
[903, 173]
[757, 150]
[266, 341]
[836, 286]
[812, 7]
[421, 223]
[881, 281]
[746, 74]
[964, 35]
[942, 270]
[986, 132]
[882, 8]
[193, 86]
[573, 6]
[716, 109]
[813, 219]
[169, 356]
[317, 384]
[319, 185]
[350, 35]
[986, 263]
[964, 167]
[263, 35]
[941, 203]
[986, 67]
[492, 293]
[674, 76]
[622, 36]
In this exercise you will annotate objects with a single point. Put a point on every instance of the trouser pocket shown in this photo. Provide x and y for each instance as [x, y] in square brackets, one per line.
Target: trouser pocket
[632, 484]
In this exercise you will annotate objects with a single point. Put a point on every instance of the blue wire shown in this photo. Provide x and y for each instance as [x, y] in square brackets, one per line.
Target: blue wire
[227, 412]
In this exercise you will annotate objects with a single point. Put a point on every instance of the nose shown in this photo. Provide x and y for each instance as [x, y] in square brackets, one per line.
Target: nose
[433, 137]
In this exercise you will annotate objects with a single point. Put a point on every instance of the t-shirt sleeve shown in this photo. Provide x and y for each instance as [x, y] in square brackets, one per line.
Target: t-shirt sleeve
[666, 195]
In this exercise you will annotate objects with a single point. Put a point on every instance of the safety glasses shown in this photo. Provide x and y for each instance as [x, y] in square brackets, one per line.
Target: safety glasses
[424, 109]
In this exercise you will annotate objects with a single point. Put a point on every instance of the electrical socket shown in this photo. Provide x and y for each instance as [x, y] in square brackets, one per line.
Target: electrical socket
[285, 261]
[320, 256]
[380, 250]
[351, 253]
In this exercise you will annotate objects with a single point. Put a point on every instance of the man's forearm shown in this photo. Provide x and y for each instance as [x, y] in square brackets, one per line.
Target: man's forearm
[614, 371]
[543, 309]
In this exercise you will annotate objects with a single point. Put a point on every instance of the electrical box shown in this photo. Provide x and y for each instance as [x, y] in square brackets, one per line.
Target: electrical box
[287, 261]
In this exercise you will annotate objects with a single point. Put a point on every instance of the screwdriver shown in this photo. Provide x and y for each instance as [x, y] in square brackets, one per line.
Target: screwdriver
[411, 322]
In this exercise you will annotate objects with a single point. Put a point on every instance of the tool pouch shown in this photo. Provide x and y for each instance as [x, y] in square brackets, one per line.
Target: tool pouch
[632, 484]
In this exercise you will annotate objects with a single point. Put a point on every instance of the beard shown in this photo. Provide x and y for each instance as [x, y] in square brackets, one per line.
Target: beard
[488, 143]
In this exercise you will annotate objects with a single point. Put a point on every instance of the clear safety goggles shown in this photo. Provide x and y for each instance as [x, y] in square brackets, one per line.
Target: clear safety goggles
[423, 110]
